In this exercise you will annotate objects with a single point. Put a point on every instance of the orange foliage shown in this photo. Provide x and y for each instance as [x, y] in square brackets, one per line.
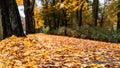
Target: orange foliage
[40, 50]
[19, 2]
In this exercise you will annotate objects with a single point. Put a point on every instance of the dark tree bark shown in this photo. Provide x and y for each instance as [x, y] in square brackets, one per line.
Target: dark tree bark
[47, 19]
[118, 16]
[7, 30]
[28, 10]
[54, 15]
[95, 11]
[79, 15]
[103, 14]
[11, 21]
[102, 19]
[58, 20]
[64, 20]
[15, 18]
[118, 22]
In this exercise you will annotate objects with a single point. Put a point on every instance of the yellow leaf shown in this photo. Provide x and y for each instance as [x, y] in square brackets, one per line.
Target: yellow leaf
[2, 64]
[75, 8]
[15, 66]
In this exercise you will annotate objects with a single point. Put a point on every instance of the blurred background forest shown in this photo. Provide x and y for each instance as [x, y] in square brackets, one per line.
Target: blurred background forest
[89, 19]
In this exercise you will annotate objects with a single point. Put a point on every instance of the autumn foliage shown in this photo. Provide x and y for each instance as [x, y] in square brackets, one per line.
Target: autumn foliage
[41, 50]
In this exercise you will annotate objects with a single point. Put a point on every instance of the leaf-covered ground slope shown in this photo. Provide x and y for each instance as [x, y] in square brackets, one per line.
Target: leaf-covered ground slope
[42, 51]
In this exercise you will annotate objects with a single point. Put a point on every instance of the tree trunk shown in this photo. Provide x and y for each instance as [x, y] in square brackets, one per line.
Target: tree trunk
[118, 16]
[11, 21]
[54, 15]
[1, 30]
[58, 21]
[48, 21]
[102, 20]
[118, 22]
[15, 18]
[79, 15]
[64, 20]
[28, 10]
[103, 14]
[7, 30]
[95, 11]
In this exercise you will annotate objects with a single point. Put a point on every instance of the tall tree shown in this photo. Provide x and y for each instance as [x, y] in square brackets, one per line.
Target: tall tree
[6, 24]
[102, 14]
[11, 21]
[45, 12]
[118, 15]
[54, 14]
[15, 18]
[64, 20]
[1, 30]
[95, 7]
[79, 13]
[29, 13]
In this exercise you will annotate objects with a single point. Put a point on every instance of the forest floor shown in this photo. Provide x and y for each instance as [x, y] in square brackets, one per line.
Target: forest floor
[50, 51]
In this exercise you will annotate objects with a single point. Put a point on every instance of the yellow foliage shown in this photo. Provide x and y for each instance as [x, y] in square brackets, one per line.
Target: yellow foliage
[39, 24]
[85, 6]
[36, 10]
[72, 5]
[112, 18]
[75, 8]
[15, 66]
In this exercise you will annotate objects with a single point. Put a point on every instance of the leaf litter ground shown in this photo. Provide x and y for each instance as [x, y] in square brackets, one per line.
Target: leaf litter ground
[50, 51]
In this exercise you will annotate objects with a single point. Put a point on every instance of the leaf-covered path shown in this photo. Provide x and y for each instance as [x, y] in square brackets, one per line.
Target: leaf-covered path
[41, 50]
